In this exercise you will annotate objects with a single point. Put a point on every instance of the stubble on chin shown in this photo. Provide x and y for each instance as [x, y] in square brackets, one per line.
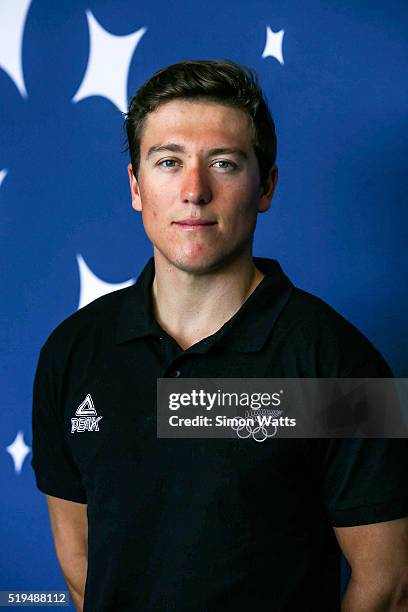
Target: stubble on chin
[206, 263]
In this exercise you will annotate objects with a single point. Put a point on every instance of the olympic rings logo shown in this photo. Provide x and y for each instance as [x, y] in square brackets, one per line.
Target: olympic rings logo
[259, 434]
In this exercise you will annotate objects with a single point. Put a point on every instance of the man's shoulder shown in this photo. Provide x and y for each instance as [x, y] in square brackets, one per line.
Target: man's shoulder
[307, 309]
[312, 324]
[95, 320]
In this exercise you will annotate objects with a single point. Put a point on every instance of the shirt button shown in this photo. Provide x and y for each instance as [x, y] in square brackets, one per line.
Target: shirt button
[175, 373]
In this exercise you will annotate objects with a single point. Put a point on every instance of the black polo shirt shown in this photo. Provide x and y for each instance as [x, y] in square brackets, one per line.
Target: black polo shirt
[206, 524]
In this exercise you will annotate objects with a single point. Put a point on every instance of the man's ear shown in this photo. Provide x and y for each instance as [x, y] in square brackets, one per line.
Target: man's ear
[134, 190]
[267, 189]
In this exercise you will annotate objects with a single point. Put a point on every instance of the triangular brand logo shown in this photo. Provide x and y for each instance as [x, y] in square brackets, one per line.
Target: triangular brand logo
[87, 407]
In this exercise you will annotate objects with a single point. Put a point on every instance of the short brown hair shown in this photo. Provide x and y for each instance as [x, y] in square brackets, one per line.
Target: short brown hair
[219, 81]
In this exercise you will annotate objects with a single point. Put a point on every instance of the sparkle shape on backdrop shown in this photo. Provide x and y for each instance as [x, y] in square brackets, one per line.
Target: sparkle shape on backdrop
[12, 21]
[18, 451]
[3, 174]
[109, 60]
[92, 287]
[273, 45]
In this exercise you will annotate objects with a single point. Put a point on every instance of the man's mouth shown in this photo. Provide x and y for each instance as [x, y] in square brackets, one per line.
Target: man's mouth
[195, 224]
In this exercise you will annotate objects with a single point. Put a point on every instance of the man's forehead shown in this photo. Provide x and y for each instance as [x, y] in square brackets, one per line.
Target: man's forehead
[183, 121]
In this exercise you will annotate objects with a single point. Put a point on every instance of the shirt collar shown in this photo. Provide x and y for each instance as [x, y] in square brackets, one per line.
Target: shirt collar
[246, 331]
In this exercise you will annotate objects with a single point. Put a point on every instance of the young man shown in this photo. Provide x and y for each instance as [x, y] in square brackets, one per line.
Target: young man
[164, 524]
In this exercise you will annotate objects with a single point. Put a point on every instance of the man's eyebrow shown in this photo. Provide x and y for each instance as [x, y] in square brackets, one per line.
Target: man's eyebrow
[175, 148]
[228, 151]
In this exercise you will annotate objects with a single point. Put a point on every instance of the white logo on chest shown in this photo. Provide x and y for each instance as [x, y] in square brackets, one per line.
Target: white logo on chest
[87, 417]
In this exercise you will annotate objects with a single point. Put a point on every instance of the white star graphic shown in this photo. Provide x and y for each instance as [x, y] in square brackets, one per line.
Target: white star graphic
[273, 45]
[18, 451]
[108, 64]
[12, 21]
[3, 174]
[92, 287]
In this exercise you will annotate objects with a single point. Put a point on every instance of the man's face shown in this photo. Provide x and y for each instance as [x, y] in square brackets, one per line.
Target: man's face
[198, 185]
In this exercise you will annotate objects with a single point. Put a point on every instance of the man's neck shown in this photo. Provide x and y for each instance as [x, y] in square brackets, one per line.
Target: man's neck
[190, 307]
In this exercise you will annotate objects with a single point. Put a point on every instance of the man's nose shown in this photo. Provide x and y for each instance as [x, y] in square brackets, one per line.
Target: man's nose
[196, 188]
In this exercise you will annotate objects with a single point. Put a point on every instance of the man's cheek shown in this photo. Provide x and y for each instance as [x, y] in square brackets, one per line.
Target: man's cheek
[150, 212]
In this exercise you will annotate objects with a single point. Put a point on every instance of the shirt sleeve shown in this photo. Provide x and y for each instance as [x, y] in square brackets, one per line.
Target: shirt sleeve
[55, 471]
[364, 480]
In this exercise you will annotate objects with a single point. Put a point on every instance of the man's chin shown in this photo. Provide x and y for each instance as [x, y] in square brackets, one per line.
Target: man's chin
[205, 264]
[197, 266]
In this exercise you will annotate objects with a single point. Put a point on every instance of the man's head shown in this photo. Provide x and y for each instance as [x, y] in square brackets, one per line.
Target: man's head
[202, 146]
[220, 81]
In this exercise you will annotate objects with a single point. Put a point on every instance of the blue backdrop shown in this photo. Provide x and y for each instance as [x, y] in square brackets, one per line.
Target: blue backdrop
[335, 77]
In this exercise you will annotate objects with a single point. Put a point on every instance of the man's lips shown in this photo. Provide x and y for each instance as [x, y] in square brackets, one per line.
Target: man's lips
[195, 224]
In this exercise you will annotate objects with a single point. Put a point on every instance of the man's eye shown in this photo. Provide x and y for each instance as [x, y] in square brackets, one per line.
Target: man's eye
[168, 163]
[224, 164]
